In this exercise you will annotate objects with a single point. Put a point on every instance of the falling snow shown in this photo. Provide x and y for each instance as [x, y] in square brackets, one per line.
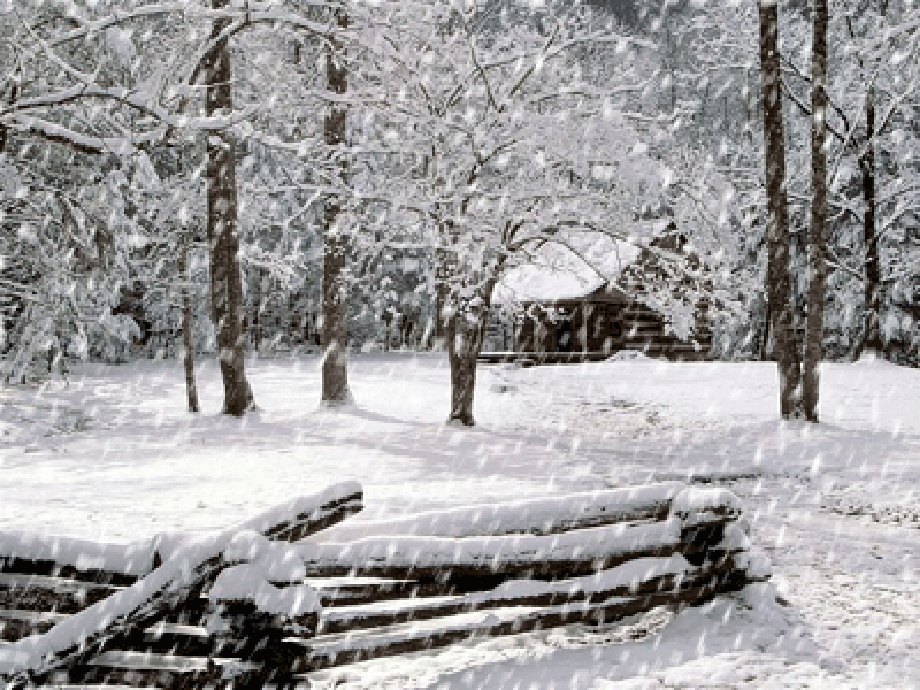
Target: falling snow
[518, 307]
[839, 609]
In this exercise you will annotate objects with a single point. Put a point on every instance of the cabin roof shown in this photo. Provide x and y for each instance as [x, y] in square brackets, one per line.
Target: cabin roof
[604, 293]
[558, 276]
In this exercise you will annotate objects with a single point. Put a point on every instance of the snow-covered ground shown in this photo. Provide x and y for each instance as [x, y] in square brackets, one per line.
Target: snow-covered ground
[111, 454]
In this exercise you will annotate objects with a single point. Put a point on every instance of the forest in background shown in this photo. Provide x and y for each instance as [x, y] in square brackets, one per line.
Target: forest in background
[177, 166]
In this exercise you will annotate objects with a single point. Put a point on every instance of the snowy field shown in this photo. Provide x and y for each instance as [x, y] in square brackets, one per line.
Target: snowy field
[111, 454]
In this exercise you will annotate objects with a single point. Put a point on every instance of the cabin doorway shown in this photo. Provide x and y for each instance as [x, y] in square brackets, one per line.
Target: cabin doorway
[565, 335]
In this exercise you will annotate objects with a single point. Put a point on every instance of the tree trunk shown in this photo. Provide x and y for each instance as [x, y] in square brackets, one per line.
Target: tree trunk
[765, 343]
[464, 342]
[466, 329]
[4, 131]
[191, 388]
[439, 302]
[335, 333]
[817, 285]
[188, 340]
[226, 282]
[873, 337]
[778, 283]
[256, 324]
[446, 266]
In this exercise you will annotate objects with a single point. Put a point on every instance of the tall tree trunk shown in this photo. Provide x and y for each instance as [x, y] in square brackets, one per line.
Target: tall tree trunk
[465, 332]
[439, 302]
[779, 294]
[4, 131]
[188, 339]
[256, 322]
[191, 388]
[765, 342]
[335, 333]
[873, 337]
[226, 282]
[464, 341]
[817, 285]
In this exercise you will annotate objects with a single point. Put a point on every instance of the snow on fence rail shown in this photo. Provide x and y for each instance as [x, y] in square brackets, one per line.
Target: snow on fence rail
[551, 515]
[255, 605]
[123, 564]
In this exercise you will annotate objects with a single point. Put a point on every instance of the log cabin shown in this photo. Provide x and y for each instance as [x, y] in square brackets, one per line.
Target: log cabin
[571, 317]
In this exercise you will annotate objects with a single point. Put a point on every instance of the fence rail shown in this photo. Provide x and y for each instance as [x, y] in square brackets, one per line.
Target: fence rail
[257, 605]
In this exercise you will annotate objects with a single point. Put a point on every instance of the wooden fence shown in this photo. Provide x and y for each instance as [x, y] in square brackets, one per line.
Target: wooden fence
[255, 605]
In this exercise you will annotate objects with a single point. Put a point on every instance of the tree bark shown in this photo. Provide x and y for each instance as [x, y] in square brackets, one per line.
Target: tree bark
[188, 340]
[465, 332]
[778, 282]
[873, 337]
[464, 342]
[817, 286]
[226, 282]
[256, 323]
[4, 131]
[440, 297]
[335, 333]
[764, 344]
[191, 387]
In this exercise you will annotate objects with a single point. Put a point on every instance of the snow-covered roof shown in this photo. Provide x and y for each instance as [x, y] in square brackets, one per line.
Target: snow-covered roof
[558, 273]
[533, 283]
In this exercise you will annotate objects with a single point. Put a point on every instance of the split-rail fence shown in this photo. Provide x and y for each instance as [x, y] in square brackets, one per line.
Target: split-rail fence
[271, 601]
